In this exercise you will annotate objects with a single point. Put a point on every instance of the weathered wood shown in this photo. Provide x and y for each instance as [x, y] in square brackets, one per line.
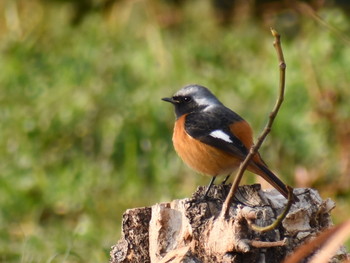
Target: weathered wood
[134, 245]
[189, 230]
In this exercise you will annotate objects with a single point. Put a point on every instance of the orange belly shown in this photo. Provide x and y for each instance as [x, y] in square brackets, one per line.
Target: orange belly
[199, 156]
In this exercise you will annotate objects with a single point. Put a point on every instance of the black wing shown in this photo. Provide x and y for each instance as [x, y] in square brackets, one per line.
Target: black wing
[200, 125]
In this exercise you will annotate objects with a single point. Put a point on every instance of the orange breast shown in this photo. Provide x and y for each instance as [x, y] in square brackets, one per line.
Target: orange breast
[199, 156]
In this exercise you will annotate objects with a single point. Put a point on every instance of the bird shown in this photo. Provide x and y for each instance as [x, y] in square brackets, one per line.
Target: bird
[212, 139]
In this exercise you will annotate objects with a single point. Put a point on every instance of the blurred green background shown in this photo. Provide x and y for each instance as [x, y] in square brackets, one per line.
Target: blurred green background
[84, 134]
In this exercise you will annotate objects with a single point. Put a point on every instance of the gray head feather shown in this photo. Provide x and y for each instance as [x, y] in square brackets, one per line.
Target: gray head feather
[201, 95]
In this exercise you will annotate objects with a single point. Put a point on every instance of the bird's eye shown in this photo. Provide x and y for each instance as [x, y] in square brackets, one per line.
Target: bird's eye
[187, 99]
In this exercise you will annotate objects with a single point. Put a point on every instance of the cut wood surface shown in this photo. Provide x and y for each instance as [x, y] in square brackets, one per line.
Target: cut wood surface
[189, 230]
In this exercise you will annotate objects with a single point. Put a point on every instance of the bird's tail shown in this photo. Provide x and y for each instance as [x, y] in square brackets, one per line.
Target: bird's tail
[272, 179]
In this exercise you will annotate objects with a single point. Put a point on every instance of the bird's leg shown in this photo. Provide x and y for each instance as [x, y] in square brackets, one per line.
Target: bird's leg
[209, 186]
[226, 178]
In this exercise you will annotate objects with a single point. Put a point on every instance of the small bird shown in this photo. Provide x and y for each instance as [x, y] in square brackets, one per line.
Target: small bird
[212, 139]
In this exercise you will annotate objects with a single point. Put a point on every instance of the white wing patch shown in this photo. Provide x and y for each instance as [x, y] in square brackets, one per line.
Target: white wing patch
[219, 134]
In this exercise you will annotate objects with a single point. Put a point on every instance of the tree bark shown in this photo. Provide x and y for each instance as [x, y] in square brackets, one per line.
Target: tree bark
[189, 230]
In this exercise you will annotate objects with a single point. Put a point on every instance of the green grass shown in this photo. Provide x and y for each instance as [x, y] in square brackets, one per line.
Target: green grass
[84, 134]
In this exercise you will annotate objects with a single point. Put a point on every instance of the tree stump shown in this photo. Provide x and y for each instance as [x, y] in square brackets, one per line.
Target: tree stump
[187, 230]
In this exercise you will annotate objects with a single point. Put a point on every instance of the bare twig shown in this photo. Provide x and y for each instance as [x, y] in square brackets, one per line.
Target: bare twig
[254, 149]
[279, 218]
[307, 10]
[266, 244]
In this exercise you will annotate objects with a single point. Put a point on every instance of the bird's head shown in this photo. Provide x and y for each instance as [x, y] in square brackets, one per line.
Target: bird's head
[192, 98]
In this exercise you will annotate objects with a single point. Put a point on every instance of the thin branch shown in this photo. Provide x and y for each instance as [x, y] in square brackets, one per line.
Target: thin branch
[279, 218]
[266, 244]
[307, 10]
[254, 149]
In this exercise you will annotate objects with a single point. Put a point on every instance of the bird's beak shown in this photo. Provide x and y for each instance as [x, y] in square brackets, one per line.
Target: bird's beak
[171, 100]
